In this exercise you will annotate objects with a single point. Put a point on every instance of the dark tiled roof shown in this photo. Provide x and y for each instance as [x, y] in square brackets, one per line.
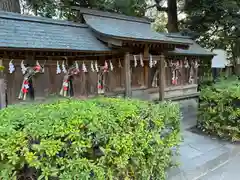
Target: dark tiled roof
[194, 48]
[125, 27]
[18, 31]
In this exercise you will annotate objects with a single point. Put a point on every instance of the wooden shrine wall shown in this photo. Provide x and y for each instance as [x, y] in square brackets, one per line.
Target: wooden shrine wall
[183, 71]
[49, 82]
[115, 79]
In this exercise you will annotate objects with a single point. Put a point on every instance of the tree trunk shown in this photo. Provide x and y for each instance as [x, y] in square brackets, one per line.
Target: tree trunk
[10, 6]
[172, 25]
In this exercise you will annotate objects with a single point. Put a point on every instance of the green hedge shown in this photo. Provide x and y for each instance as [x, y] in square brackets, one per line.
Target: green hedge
[101, 139]
[219, 110]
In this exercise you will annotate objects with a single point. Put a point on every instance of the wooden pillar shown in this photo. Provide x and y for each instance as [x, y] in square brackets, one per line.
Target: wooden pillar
[146, 67]
[161, 79]
[127, 73]
[2, 88]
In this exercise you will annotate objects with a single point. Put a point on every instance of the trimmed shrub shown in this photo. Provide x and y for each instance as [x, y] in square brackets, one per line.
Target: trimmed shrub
[219, 110]
[101, 139]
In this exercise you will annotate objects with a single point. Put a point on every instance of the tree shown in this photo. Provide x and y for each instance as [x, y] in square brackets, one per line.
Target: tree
[217, 22]
[160, 22]
[62, 8]
[10, 6]
[172, 14]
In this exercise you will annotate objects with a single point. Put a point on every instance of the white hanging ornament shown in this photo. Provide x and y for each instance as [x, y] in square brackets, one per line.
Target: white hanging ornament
[111, 65]
[23, 68]
[76, 65]
[84, 68]
[165, 64]
[154, 62]
[141, 60]
[150, 61]
[119, 63]
[11, 67]
[135, 60]
[38, 64]
[105, 68]
[92, 67]
[58, 68]
[64, 67]
[196, 65]
[96, 66]
[186, 65]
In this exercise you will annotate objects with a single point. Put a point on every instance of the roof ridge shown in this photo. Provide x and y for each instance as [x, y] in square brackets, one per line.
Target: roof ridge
[113, 15]
[21, 17]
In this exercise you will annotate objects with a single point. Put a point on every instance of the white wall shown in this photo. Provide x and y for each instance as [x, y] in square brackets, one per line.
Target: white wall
[220, 60]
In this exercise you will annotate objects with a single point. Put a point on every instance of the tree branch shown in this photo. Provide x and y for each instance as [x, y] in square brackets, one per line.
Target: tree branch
[159, 7]
[150, 7]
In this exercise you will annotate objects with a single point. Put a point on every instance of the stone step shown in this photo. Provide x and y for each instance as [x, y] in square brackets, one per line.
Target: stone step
[197, 163]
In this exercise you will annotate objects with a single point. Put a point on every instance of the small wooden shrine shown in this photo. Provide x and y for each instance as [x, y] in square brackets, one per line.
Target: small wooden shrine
[106, 53]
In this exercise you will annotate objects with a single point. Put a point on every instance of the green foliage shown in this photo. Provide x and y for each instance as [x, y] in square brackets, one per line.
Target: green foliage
[219, 110]
[160, 23]
[2, 68]
[217, 22]
[62, 8]
[104, 138]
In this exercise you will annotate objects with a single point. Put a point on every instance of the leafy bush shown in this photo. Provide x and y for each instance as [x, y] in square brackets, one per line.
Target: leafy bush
[219, 110]
[105, 138]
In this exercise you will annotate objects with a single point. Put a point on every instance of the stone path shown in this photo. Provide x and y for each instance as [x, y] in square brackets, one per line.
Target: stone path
[228, 171]
[199, 154]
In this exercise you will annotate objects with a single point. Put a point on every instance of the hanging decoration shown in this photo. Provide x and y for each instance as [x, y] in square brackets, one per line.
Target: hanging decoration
[165, 64]
[180, 64]
[64, 70]
[175, 70]
[111, 65]
[141, 60]
[28, 74]
[150, 61]
[65, 86]
[92, 67]
[186, 64]
[11, 67]
[191, 74]
[101, 80]
[105, 68]
[84, 68]
[155, 79]
[96, 66]
[77, 66]
[155, 62]
[196, 64]
[23, 68]
[58, 71]
[38, 65]
[135, 60]
[119, 63]
[65, 90]
[174, 78]
[100, 84]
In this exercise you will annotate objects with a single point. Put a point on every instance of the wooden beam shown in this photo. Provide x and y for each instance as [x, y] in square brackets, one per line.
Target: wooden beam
[161, 78]
[127, 73]
[146, 52]
[2, 89]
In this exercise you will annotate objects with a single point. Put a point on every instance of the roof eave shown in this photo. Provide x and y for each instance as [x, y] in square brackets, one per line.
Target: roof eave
[56, 50]
[190, 54]
[138, 40]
